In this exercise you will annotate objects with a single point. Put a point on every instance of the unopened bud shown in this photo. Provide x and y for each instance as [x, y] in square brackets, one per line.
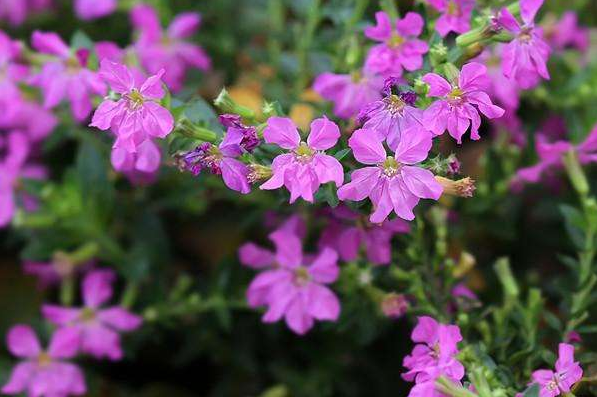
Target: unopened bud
[464, 187]
[258, 172]
[394, 305]
[226, 104]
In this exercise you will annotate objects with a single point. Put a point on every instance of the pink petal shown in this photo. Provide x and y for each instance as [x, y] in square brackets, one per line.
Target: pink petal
[279, 166]
[425, 331]
[117, 75]
[298, 318]
[60, 315]
[280, 297]
[507, 20]
[382, 30]
[234, 174]
[438, 86]
[363, 181]
[485, 105]
[20, 377]
[255, 257]
[402, 199]
[49, 43]
[411, 25]
[322, 303]
[152, 87]
[64, 343]
[100, 342]
[289, 249]
[458, 123]
[92, 9]
[120, 318]
[473, 76]
[382, 202]
[349, 243]
[22, 341]
[435, 117]
[105, 113]
[367, 147]
[413, 147]
[529, 8]
[97, 287]
[421, 182]
[148, 157]
[157, 121]
[184, 25]
[324, 134]
[282, 131]
[328, 169]
[324, 268]
[259, 289]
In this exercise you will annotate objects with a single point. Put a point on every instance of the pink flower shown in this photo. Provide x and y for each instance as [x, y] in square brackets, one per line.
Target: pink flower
[220, 160]
[16, 11]
[347, 233]
[97, 328]
[461, 102]
[524, 59]
[391, 183]
[550, 156]
[456, 15]
[11, 73]
[567, 33]
[67, 77]
[307, 166]
[29, 118]
[435, 352]
[293, 286]
[349, 92]
[168, 49]
[426, 389]
[399, 48]
[93, 9]
[44, 372]
[13, 167]
[137, 116]
[142, 163]
[567, 373]
[501, 89]
[394, 114]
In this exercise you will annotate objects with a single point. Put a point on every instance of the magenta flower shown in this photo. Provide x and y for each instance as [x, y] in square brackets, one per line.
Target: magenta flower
[456, 15]
[550, 156]
[137, 115]
[307, 166]
[460, 102]
[347, 233]
[44, 372]
[567, 33]
[524, 59]
[168, 49]
[567, 373]
[399, 48]
[97, 328]
[435, 352]
[67, 77]
[393, 115]
[349, 92]
[293, 286]
[13, 167]
[93, 9]
[392, 183]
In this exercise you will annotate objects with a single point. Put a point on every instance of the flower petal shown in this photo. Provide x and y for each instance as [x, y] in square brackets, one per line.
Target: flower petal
[324, 134]
[282, 131]
[22, 341]
[97, 287]
[367, 146]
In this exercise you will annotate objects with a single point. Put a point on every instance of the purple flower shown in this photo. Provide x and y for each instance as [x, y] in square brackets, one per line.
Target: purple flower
[13, 167]
[44, 372]
[168, 49]
[347, 233]
[391, 182]
[349, 92]
[307, 166]
[97, 328]
[391, 116]
[399, 48]
[137, 115]
[567, 373]
[461, 102]
[235, 126]
[293, 286]
[524, 59]
[567, 33]
[435, 353]
[456, 15]
[67, 77]
[550, 156]
[93, 9]
[220, 160]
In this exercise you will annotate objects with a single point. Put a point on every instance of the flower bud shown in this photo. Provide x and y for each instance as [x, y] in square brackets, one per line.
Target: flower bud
[394, 305]
[464, 187]
[226, 104]
[258, 172]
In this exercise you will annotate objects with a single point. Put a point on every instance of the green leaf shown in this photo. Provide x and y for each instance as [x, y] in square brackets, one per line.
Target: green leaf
[532, 391]
[81, 40]
[340, 154]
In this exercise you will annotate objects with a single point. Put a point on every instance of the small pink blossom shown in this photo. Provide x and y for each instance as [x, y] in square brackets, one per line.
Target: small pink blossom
[169, 49]
[524, 59]
[293, 286]
[456, 15]
[347, 233]
[567, 33]
[307, 166]
[567, 373]
[435, 353]
[349, 92]
[137, 116]
[66, 77]
[44, 372]
[393, 183]
[93, 9]
[460, 102]
[399, 49]
[97, 327]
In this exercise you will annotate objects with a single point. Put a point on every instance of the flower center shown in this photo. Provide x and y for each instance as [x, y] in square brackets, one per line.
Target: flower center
[552, 385]
[394, 104]
[435, 351]
[356, 76]
[525, 34]
[390, 167]
[301, 276]
[303, 154]
[135, 99]
[456, 95]
[453, 9]
[395, 40]
[87, 315]
[44, 359]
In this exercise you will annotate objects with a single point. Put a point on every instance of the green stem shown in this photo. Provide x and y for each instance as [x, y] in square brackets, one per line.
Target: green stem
[67, 291]
[130, 294]
[389, 6]
[304, 44]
